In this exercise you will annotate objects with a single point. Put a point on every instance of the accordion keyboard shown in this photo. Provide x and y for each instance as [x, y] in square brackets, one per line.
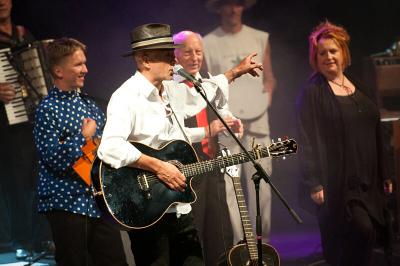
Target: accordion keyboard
[16, 111]
[27, 72]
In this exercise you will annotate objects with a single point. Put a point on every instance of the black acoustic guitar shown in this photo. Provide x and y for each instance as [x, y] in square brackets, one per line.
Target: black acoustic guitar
[135, 199]
[246, 252]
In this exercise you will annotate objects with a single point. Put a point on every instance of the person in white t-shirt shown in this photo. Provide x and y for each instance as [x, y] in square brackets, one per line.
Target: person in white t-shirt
[249, 99]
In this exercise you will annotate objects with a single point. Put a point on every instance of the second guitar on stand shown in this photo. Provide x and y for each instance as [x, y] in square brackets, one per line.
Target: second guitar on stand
[246, 252]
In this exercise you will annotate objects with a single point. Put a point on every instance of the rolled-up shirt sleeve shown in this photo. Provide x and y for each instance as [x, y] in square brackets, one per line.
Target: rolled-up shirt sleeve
[195, 134]
[220, 94]
[222, 83]
[115, 149]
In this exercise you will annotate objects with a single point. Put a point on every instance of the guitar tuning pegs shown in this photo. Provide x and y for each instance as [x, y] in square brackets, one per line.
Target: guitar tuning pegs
[253, 143]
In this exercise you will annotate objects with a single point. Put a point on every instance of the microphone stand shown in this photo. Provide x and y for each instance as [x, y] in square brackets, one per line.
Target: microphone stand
[260, 174]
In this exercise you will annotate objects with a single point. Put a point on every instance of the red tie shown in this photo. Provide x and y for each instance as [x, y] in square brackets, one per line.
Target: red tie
[202, 121]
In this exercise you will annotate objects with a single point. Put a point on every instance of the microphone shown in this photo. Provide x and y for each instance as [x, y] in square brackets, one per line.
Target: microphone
[179, 70]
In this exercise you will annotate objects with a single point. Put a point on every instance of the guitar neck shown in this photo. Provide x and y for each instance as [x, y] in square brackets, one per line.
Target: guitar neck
[223, 162]
[244, 216]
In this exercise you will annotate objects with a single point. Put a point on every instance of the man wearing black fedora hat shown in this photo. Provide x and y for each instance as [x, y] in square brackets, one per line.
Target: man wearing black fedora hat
[147, 109]
[249, 98]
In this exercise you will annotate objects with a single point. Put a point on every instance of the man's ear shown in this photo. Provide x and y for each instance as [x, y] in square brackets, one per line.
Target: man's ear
[146, 61]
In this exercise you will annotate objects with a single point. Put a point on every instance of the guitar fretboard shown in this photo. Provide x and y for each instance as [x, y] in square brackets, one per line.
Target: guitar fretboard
[244, 216]
[222, 162]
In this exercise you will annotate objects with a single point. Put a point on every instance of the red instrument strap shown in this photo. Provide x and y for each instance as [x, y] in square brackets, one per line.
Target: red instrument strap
[202, 121]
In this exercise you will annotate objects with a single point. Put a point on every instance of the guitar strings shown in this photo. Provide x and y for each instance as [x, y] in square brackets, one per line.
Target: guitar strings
[205, 166]
[209, 165]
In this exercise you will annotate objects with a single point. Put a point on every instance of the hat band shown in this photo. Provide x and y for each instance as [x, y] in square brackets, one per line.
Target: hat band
[151, 42]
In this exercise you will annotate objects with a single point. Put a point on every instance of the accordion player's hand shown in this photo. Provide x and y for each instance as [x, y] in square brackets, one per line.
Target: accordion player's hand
[7, 92]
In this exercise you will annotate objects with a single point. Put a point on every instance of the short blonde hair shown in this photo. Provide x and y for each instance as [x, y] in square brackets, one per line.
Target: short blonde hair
[327, 30]
[59, 49]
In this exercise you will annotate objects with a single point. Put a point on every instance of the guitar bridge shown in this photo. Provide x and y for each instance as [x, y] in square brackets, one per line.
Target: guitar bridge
[144, 185]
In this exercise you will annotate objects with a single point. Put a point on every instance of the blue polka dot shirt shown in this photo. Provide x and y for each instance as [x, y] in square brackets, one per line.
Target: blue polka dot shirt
[59, 140]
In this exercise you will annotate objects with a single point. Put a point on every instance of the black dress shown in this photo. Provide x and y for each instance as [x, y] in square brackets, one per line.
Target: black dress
[361, 117]
[340, 151]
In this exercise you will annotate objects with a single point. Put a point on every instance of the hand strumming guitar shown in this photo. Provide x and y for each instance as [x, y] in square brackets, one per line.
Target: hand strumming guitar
[165, 171]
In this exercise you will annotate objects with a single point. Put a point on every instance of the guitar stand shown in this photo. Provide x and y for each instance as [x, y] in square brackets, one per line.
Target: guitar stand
[32, 260]
[256, 179]
[257, 176]
[48, 251]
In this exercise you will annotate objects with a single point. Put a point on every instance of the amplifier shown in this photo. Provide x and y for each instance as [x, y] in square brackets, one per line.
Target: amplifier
[383, 74]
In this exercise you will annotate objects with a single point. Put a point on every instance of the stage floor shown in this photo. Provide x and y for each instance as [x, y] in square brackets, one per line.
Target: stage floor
[295, 249]
[8, 258]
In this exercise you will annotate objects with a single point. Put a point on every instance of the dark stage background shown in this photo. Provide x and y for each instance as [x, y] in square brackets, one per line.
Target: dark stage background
[104, 25]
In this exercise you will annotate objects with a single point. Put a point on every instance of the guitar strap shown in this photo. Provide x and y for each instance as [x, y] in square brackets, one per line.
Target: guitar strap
[179, 124]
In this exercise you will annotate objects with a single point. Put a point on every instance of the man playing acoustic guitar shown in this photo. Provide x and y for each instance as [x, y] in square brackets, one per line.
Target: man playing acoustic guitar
[147, 110]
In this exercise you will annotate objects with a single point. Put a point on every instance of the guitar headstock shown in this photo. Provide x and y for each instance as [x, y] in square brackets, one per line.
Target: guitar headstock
[282, 147]
[232, 170]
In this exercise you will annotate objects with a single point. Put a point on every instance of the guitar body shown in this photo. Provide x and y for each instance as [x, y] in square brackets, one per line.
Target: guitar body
[239, 256]
[121, 197]
[136, 199]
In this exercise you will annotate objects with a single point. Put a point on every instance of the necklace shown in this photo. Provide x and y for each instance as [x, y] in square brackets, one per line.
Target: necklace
[342, 86]
[348, 92]
[337, 83]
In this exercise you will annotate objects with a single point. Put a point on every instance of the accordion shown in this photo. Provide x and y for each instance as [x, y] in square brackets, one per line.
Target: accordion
[26, 70]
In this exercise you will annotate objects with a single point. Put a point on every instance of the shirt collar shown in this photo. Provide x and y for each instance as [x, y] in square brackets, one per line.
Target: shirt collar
[180, 79]
[147, 88]
[64, 94]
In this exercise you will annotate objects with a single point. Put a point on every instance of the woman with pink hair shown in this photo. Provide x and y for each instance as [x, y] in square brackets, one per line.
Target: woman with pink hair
[341, 151]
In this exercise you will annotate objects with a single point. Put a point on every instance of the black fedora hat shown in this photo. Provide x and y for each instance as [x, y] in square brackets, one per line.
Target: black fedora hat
[151, 36]
[214, 5]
